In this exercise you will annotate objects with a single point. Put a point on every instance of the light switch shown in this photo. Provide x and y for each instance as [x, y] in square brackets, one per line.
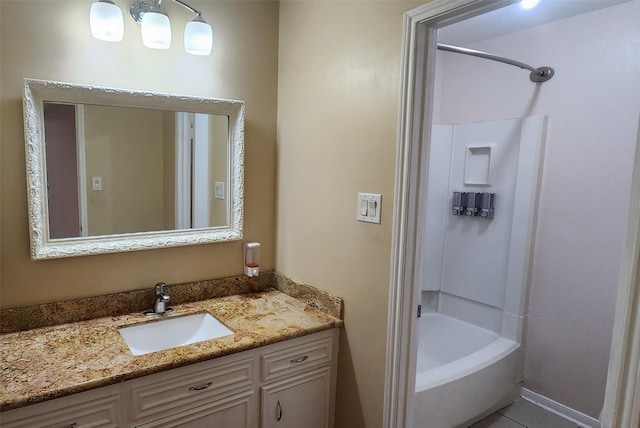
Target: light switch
[371, 211]
[363, 207]
[369, 207]
[218, 192]
[96, 183]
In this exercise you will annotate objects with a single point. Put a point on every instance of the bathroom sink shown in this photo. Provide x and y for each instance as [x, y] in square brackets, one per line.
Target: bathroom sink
[172, 332]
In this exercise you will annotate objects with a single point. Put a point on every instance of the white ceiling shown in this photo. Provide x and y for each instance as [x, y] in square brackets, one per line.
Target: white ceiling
[514, 18]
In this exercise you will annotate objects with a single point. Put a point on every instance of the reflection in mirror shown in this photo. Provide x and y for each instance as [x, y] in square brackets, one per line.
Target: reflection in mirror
[111, 170]
[114, 170]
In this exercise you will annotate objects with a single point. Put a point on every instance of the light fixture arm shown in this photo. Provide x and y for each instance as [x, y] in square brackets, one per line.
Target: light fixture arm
[191, 8]
[140, 7]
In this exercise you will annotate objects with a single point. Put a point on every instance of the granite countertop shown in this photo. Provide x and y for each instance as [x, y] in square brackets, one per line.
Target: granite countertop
[51, 362]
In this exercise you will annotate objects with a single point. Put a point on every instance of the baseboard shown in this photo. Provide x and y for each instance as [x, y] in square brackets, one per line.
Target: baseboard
[559, 409]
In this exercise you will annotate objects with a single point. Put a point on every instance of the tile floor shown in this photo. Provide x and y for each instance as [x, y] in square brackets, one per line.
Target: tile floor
[521, 414]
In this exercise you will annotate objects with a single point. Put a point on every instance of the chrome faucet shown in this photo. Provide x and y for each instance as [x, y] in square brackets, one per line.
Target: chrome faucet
[160, 301]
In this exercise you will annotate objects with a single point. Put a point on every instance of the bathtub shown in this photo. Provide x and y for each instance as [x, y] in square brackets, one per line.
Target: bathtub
[463, 372]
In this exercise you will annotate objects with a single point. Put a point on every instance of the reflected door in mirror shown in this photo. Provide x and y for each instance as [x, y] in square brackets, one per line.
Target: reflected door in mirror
[62, 173]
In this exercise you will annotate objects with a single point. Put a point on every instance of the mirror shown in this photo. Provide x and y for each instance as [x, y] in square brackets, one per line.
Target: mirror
[111, 170]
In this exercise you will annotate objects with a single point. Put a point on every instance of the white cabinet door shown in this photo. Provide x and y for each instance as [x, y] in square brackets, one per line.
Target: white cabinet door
[234, 412]
[298, 401]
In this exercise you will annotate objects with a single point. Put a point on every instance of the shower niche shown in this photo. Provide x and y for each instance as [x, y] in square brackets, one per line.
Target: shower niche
[477, 166]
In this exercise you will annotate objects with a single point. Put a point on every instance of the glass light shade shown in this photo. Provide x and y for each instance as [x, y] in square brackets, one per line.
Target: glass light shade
[105, 19]
[156, 30]
[198, 37]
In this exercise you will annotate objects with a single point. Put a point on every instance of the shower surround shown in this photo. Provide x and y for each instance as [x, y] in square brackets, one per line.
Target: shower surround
[474, 270]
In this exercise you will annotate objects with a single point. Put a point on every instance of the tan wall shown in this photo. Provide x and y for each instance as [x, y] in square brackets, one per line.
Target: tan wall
[128, 159]
[218, 137]
[338, 89]
[169, 169]
[243, 66]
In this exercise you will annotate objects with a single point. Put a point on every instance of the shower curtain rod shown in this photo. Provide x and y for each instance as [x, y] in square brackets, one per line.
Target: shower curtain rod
[540, 74]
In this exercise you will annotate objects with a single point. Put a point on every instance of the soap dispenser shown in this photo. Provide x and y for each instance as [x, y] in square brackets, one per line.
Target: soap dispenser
[251, 257]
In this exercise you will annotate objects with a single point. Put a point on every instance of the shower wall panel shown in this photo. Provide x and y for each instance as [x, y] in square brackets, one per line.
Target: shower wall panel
[478, 262]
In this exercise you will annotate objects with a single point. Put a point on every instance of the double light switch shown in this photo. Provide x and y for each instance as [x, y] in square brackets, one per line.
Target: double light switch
[369, 207]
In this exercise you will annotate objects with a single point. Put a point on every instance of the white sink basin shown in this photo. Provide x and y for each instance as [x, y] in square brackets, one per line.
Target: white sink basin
[172, 332]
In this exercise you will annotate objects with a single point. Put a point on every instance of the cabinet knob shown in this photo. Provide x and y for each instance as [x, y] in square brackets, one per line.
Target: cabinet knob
[278, 411]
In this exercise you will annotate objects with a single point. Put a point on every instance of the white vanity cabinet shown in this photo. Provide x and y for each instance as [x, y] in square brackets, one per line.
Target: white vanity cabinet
[204, 394]
[285, 384]
[298, 380]
[300, 401]
[99, 408]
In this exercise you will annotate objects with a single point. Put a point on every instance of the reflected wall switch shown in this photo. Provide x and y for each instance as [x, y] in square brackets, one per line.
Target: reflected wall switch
[96, 183]
[219, 190]
[369, 207]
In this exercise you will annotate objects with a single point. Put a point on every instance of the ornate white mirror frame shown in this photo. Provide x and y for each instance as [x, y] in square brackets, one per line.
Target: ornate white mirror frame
[36, 92]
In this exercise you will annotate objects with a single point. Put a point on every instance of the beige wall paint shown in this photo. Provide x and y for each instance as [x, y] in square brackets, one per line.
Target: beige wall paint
[169, 169]
[218, 137]
[338, 89]
[128, 157]
[243, 66]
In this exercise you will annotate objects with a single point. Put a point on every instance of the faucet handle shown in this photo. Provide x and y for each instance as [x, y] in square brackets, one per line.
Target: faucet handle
[160, 288]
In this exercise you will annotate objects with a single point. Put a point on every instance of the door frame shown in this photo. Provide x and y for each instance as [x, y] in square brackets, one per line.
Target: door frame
[622, 400]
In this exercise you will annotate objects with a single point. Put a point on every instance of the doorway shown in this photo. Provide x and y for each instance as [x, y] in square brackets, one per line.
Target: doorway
[419, 56]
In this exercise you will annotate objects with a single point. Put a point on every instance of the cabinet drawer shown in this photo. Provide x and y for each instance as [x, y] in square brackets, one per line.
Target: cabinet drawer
[180, 389]
[237, 411]
[301, 356]
[67, 412]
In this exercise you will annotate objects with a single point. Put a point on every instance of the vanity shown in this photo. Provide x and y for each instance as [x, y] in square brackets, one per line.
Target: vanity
[149, 171]
[277, 369]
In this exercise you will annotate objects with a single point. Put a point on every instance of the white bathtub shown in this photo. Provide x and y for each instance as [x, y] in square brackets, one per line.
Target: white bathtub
[464, 372]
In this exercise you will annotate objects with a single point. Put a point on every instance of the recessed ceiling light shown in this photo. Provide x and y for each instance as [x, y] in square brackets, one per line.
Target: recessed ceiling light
[529, 4]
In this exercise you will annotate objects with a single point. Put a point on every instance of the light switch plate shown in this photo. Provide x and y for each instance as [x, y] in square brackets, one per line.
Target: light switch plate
[218, 192]
[372, 202]
[96, 183]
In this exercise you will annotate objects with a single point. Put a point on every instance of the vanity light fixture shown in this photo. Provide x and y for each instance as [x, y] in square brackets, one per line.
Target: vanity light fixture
[154, 25]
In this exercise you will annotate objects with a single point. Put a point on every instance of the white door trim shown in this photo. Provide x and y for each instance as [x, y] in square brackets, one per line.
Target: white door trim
[622, 395]
[81, 166]
[622, 404]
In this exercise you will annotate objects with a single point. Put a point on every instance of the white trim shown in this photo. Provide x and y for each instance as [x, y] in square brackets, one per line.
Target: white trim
[622, 395]
[622, 403]
[200, 172]
[561, 410]
[81, 154]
